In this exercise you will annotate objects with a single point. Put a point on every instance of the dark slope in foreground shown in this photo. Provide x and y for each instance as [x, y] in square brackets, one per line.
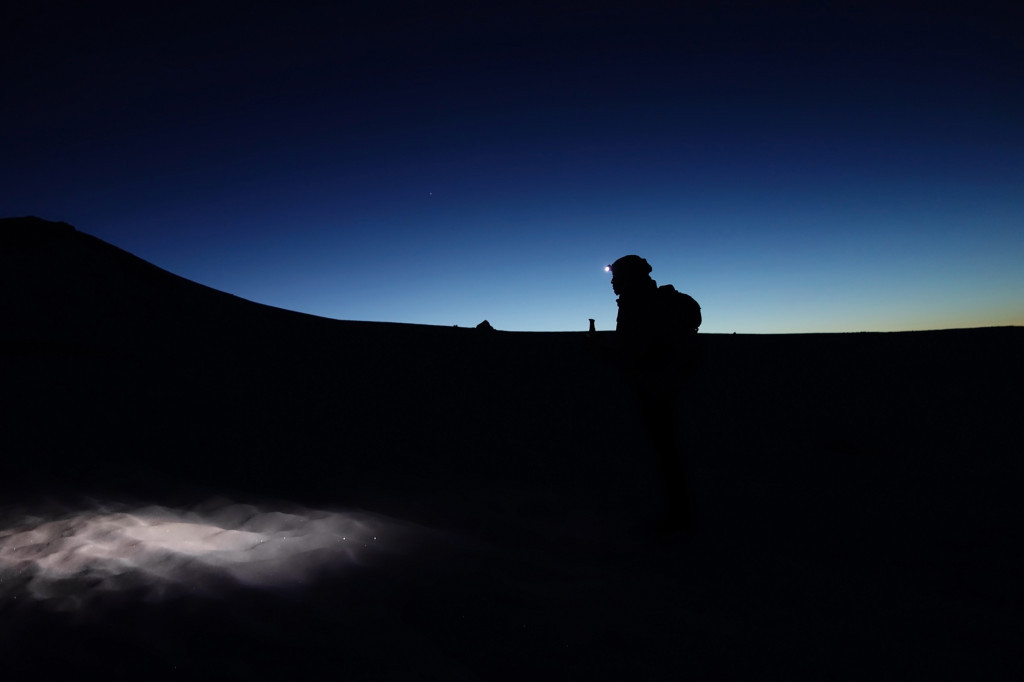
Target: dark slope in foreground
[116, 368]
[858, 494]
[121, 375]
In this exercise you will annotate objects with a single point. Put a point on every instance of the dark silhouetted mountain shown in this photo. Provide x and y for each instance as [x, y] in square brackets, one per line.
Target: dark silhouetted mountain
[121, 372]
[61, 285]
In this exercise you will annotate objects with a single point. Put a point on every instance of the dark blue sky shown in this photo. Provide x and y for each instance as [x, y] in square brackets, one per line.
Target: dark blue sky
[799, 166]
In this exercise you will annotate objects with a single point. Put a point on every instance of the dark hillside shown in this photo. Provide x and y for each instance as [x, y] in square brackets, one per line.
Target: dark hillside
[121, 374]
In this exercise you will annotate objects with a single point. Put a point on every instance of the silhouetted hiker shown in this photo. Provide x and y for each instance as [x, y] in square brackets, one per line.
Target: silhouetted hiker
[656, 348]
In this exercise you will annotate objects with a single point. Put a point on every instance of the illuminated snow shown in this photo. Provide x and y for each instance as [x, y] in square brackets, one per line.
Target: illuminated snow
[65, 558]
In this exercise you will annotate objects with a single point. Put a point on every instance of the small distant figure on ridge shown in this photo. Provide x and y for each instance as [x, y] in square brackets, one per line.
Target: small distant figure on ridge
[656, 348]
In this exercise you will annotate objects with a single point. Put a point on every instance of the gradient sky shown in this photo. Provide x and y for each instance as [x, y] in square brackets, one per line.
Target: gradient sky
[796, 167]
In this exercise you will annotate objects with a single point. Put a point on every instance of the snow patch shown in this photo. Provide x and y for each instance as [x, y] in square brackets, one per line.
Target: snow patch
[163, 551]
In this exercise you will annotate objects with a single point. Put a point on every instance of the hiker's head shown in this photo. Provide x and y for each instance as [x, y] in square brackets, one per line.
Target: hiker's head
[630, 273]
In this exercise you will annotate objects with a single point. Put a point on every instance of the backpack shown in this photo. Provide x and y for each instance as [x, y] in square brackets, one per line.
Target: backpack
[681, 310]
